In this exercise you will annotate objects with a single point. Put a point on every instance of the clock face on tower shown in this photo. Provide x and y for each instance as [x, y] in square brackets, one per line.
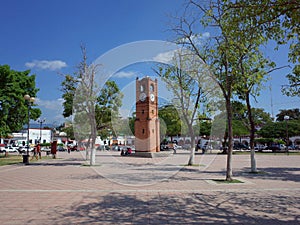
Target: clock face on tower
[152, 98]
[143, 97]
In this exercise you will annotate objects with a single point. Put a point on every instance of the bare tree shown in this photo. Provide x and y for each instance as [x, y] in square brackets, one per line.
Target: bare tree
[191, 83]
[84, 105]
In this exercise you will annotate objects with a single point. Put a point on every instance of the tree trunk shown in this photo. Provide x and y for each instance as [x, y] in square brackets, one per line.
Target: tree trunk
[230, 140]
[93, 156]
[87, 155]
[225, 149]
[252, 133]
[94, 135]
[192, 151]
[93, 152]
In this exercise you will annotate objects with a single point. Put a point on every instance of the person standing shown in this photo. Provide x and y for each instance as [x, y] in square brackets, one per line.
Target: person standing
[54, 149]
[38, 150]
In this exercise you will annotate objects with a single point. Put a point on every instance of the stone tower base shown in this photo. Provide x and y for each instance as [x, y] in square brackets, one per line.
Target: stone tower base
[151, 154]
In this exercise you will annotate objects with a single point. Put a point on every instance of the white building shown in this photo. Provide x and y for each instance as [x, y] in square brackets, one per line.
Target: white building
[35, 135]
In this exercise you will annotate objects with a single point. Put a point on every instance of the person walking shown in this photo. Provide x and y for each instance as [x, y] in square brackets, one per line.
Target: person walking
[35, 154]
[174, 148]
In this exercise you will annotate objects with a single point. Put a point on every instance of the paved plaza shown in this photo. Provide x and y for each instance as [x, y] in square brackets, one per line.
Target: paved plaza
[131, 190]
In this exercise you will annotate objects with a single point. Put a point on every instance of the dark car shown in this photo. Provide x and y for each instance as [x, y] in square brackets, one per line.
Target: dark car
[103, 147]
[276, 147]
[240, 146]
[61, 148]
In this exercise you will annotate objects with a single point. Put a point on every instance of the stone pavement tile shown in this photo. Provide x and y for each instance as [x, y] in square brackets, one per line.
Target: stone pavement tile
[62, 192]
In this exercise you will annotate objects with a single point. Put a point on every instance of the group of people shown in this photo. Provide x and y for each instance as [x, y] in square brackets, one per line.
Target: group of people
[127, 152]
[37, 150]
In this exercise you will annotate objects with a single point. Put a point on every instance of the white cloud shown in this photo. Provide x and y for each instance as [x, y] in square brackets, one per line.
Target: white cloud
[51, 104]
[197, 39]
[46, 64]
[164, 57]
[123, 74]
[51, 110]
[205, 35]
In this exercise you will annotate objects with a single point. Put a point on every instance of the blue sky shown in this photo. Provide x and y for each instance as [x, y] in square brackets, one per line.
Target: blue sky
[45, 36]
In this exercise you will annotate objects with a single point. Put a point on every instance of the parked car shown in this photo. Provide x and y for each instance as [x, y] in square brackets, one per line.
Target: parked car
[9, 149]
[61, 148]
[115, 148]
[277, 147]
[292, 147]
[187, 146]
[164, 146]
[23, 149]
[2, 147]
[260, 148]
[240, 146]
[103, 147]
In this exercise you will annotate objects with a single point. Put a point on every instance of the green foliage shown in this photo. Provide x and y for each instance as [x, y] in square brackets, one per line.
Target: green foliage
[10, 159]
[107, 108]
[68, 87]
[278, 20]
[169, 116]
[241, 125]
[239, 128]
[69, 131]
[260, 117]
[279, 129]
[293, 114]
[268, 141]
[91, 111]
[13, 108]
[204, 128]
[293, 88]
[45, 144]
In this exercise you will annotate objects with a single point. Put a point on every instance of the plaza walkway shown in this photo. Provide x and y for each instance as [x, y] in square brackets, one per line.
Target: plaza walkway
[130, 190]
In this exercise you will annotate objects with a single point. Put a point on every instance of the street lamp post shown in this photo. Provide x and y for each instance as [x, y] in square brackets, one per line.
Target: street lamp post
[29, 100]
[286, 118]
[41, 121]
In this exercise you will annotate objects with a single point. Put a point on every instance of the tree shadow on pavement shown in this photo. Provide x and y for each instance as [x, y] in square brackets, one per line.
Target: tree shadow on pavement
[273, 173]
[182, 208]
[62, 163]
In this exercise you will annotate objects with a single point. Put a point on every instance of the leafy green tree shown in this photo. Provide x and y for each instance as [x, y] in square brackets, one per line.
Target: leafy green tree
[293, 88]
[240, 119]
[203, 127]
[261, 117]
[233, 52]
[13, 108]
[218, 52]
[69, 131]
[293, 114]
[107, 108]
[279, 129]
[170, 116]
[68, 87]
[275, 20]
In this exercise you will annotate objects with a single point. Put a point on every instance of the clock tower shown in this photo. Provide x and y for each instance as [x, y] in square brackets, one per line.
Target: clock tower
[147, 123]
